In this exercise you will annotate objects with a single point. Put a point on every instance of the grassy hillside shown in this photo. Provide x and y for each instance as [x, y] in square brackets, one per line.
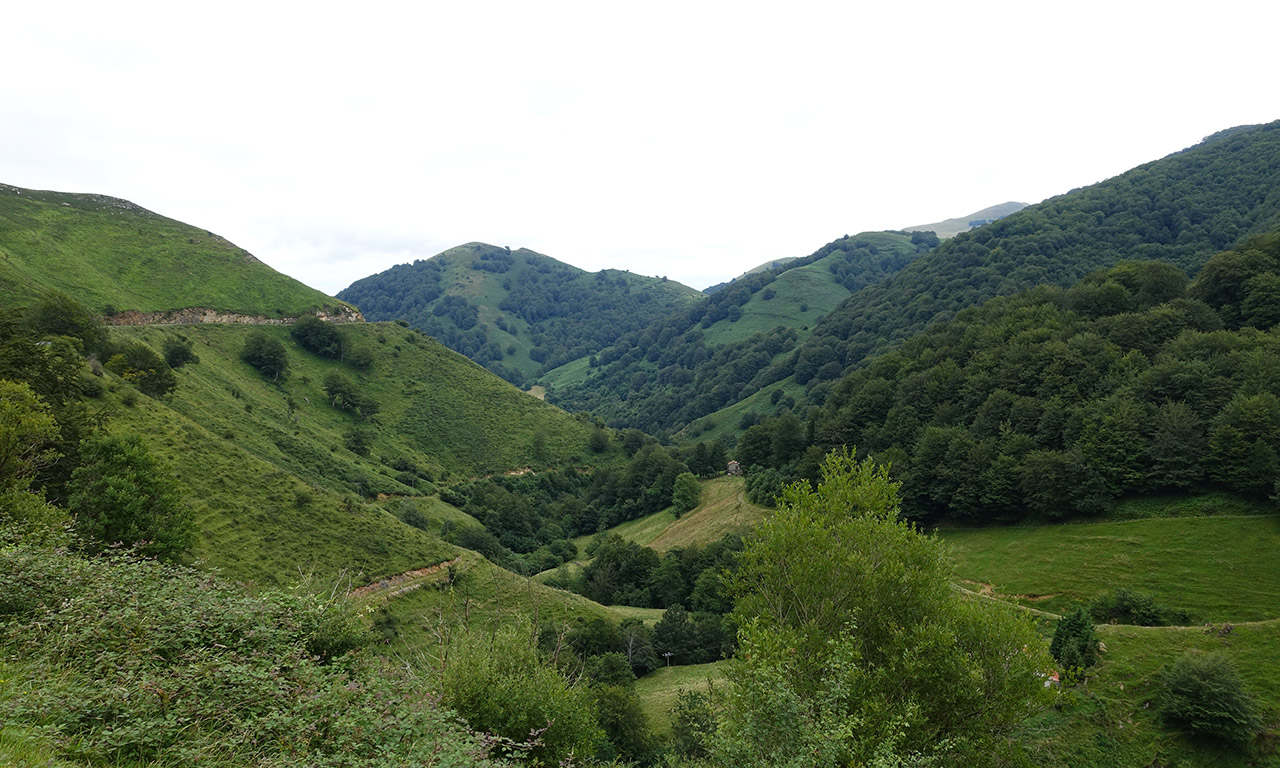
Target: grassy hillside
[107, 253]
[1112, 719]
[269, 468]
[412, 616]
[1219, 568]
[519, 313]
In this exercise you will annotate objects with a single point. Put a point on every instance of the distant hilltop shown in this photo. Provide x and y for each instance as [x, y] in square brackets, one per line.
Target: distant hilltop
[953, 227]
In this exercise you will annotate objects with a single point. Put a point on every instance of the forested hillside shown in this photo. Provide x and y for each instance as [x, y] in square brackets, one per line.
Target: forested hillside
[518, 313]
[109, 254]
[693, 363]
[1055, 403]
[1181, 209]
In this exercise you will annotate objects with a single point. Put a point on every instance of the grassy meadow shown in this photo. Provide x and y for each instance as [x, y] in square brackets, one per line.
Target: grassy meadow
[1220, 568]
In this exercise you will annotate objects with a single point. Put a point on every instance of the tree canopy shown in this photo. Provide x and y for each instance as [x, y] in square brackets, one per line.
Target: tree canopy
[854, 645]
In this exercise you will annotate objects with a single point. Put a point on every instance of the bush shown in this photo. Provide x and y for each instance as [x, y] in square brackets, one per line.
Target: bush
[1075, 643]
[498, 684]
[57, 314]
[266, 354]
[121, 494]
[164, 665]
[692, 722]
[686, 494]
[178, 351]
[141, 366]
[319, 337]
[1203, 694]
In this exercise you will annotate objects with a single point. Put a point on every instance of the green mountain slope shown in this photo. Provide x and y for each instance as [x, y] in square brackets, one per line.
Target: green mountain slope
[1053, 404]
[270, 470]
[1182, 209]
[113, 255]
[518, 313]
[694, 363]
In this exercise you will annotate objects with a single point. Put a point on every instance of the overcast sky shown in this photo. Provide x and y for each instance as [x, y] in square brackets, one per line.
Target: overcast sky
[686, 139]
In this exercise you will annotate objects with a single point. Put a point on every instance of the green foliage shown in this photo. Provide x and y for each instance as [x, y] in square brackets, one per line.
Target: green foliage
[142, 367]
[499, 684]
[859, 648]
[56, 314]
[1075, 643]
[121, 494]
[27, 433]
[178, 351]
[686, 493]
[315, 335]
[266, 354]
[345, 395]
[137, 662]
[1025, 405]
[1124, 605]
[1203, 694]
[53, 368]
[619, 714]
[692, 724]
[688, 364]
[359, 440]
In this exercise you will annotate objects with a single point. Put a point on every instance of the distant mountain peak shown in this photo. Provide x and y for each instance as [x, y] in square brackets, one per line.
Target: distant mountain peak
[953, 227]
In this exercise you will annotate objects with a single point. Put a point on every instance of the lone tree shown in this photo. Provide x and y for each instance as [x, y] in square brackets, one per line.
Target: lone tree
[854, 648]
[316, 335]
[121, 494]
[266, 354]
[686, 494]
[1075, 644]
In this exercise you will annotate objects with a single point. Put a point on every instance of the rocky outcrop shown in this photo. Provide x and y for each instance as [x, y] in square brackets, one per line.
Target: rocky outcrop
[192, 315]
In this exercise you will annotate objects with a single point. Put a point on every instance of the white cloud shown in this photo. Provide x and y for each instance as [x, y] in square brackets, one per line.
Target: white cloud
[694, 140]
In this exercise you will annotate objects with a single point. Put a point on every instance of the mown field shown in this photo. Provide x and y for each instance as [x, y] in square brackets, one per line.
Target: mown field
[1222, 568]
[723, 509]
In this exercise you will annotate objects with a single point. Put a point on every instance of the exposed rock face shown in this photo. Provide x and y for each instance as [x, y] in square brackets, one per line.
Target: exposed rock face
[193, 315]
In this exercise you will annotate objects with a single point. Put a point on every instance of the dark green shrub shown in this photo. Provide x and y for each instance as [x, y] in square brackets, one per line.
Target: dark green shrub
[359, 440]
[141, 366]
[1203, 694]
[1075, 643]
[121, 494]
[57, 314]
[178, 351]
[265, 353]
[692, 723]
[317, 336]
